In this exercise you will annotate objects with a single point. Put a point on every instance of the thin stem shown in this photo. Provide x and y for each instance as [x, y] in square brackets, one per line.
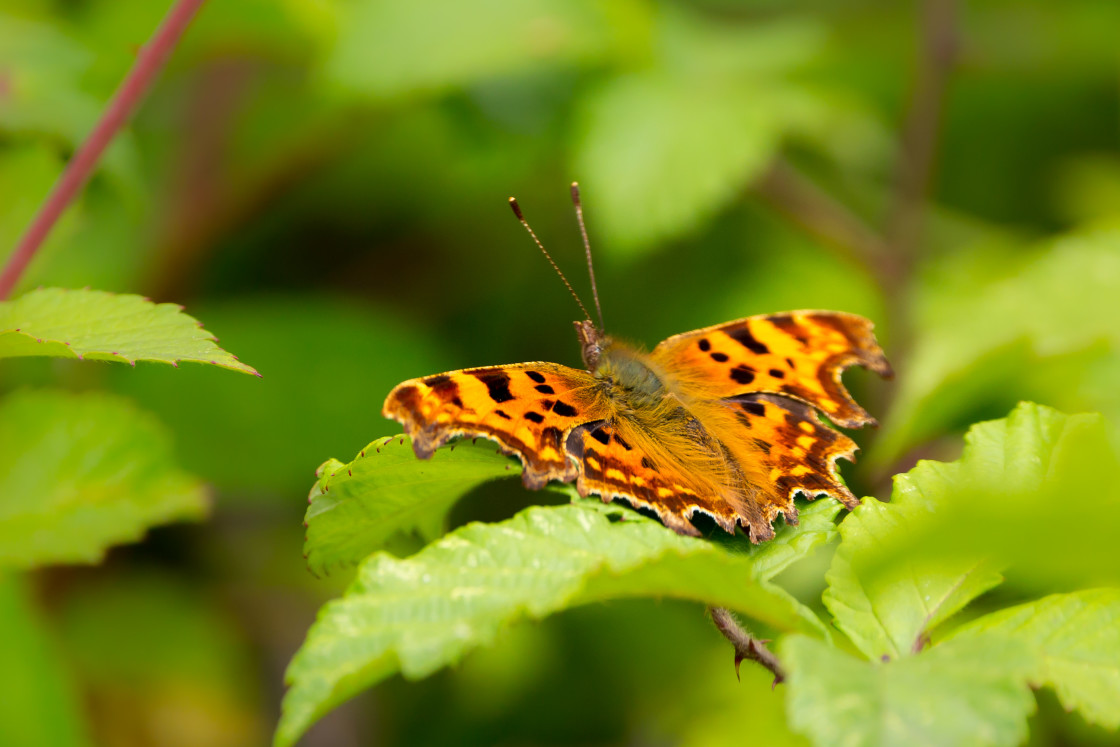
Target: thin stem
[819, 214]
[923, 124]
[746, 645]
[149, 62]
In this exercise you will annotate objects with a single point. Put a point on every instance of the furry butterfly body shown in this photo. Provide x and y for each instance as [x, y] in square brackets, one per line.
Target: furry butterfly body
[721, 421]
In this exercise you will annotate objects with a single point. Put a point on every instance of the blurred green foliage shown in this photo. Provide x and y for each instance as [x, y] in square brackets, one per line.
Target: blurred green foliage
[322, 182]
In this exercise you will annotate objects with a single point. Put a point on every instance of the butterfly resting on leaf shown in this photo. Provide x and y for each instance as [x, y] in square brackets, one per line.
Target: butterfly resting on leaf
[721, 421]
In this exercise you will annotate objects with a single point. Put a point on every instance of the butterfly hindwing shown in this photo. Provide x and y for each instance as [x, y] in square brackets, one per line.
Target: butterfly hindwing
[528, 408]
[798, 354]
[615, 462]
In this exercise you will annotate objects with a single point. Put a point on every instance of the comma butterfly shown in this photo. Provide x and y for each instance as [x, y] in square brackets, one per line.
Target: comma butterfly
[720, 421]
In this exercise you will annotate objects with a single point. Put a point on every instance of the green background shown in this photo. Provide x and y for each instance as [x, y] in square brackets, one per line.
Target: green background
[322, 182]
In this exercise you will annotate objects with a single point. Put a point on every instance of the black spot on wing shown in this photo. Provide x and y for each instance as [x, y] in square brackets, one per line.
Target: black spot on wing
[545, 389]
[618, 440]
[497, 384]
[777, 373]
[719, 357]
[535, 417]
[704, 344]
[744, 337]
[536, 376]
[552, 436]
[786, 324]
[648, 464]
[438, 381]
[564, 409]
[753, 408]
[501, 414]
[600, 435]
[742, 374]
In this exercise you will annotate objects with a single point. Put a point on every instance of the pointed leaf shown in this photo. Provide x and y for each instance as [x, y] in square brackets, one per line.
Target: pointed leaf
[81, 472]
[956, 693]
[355, 507]
[105, 326]
[890, 611]
[422, 613]
[1075, 643]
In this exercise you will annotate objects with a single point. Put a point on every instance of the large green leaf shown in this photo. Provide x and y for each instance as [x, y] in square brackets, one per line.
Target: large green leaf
[888, 612]
[105, 326]
[1063, 301]
[422, 613]
[1035, 491]
[956, 693]
[39, 703]
[81, 472]
[1074, 640]
[355, 507]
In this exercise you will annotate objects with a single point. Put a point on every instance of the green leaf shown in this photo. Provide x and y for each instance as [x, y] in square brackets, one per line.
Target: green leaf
[388, 49]
[1065, 300]
[79, 473]
[422, 613]
[95, 325]
[355, 507]
[660, 151]
[39, 703]
[956, 693]
[890, 611]
[1035, 492]
[1075, 643]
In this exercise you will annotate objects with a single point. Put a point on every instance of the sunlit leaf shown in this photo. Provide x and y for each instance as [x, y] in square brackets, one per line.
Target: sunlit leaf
[422, 613]
[82, 472]
[888, 612]
[1035, 492]
[355, 507]
[956, 693]
[1075, 643]
[96, 325]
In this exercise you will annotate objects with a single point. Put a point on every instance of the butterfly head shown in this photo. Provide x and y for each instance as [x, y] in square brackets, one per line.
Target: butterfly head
[591, 342]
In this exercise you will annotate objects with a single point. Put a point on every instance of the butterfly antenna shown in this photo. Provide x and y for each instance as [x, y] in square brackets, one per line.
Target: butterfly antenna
[587, 247]
[517, 211]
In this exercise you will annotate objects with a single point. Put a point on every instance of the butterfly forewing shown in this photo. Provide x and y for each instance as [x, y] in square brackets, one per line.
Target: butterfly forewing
[798, 354]
[528, 408]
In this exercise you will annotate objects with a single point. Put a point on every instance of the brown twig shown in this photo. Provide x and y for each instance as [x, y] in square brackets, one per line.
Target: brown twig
[923, 124]
[796, 196]
[746, 646]
[149, 62]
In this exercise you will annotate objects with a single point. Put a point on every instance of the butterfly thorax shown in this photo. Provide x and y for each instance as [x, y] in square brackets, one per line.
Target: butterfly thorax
[627, 374]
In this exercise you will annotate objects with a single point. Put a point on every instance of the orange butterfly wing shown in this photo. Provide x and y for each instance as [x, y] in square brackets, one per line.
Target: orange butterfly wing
[528, 408]
[798, 354]
[739, 436]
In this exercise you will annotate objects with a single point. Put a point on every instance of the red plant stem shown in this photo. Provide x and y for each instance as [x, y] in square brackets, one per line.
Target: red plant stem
[149, 62]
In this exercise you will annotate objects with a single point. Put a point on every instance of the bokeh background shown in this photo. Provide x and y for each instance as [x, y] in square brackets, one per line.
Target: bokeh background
[323, 184]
